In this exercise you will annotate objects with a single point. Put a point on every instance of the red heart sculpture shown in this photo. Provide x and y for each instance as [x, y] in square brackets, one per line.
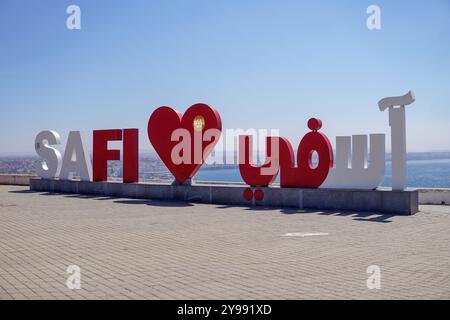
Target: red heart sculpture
[184, 162]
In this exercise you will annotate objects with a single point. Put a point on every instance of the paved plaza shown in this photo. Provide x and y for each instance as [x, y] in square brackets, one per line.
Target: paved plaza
[141, 249]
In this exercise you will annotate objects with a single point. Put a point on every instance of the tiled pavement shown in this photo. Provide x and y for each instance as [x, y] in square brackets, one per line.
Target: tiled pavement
[136, 249]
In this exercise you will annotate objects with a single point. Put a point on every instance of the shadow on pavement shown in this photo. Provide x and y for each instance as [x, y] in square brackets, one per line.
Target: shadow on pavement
[357, 216]
[22, 191]
[156, 203]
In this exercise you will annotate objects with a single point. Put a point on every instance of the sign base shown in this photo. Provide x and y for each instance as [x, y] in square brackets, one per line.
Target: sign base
[381, 200]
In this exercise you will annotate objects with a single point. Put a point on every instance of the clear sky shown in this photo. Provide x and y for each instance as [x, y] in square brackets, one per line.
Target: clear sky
[262, 64]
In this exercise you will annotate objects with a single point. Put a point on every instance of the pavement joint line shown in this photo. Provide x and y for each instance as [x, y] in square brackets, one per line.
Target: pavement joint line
[305, 234]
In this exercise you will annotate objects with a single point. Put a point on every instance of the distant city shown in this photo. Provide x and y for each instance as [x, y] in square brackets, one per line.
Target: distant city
[150, 166]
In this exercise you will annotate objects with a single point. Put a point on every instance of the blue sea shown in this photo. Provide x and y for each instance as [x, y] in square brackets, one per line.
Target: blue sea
[427, 173]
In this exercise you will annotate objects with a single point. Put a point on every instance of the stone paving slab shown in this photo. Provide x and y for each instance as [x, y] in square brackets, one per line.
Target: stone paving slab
[141, 249]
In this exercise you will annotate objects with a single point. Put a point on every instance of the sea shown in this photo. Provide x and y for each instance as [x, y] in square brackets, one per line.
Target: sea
[424, 169]
[425, 173]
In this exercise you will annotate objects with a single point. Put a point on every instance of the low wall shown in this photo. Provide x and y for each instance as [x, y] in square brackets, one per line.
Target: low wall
[426, 195]
[434, 196]
[377, 201]
[15, 179]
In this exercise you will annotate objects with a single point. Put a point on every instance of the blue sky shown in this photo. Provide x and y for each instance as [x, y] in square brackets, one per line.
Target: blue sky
[262, 64]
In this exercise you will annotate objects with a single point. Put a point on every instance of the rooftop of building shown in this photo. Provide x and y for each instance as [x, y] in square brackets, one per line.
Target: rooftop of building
[143, 249]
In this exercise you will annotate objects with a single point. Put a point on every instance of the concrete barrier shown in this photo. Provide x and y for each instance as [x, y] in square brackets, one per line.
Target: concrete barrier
[377, 201]
[15, 179]
[434, 196]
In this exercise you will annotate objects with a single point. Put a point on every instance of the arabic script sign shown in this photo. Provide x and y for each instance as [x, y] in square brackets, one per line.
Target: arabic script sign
[184, 142]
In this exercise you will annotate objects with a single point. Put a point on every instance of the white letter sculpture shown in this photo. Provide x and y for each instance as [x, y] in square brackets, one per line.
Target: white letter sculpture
[352, 169]
[51, 166]
[76, 159]
[397, 122]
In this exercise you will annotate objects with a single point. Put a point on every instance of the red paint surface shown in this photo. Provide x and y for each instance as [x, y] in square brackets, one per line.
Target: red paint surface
[259, 195]
[305, 175]
[252, 174]
[130, 155]
[101, 154]
[165, 120]
[248, 194]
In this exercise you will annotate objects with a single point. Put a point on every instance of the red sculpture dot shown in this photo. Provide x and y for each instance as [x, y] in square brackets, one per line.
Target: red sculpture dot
[248, 194]
[314, 124]
[259, 194]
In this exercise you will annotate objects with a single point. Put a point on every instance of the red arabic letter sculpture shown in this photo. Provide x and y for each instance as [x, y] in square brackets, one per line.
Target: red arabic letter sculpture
[305, 175]
[253, 175]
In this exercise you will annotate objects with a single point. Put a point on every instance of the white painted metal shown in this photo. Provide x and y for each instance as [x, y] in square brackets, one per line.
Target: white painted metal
[76, 159]
[50, 166]
[354, 168]
[397, 122]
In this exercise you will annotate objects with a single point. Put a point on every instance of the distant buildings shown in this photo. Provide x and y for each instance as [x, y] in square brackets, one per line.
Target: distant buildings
[150, 167]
